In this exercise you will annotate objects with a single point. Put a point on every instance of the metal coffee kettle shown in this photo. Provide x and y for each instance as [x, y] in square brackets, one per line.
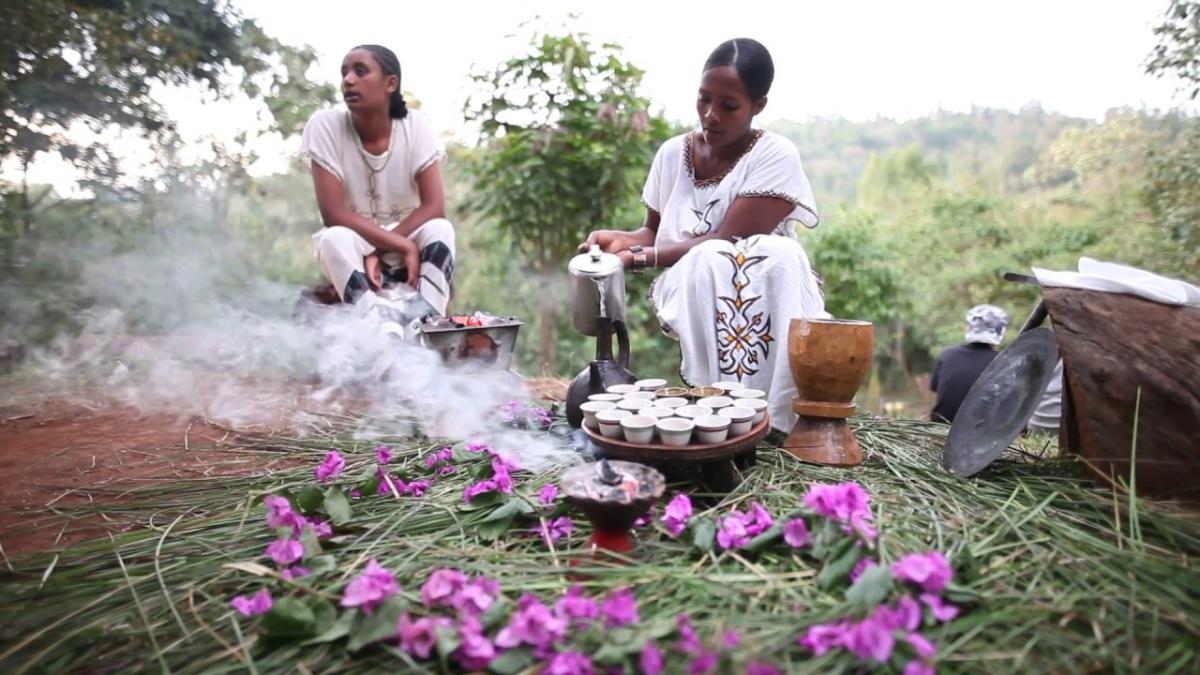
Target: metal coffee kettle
[598, 310]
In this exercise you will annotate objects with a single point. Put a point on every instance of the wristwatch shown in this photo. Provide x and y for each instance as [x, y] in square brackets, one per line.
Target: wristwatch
[639, 258]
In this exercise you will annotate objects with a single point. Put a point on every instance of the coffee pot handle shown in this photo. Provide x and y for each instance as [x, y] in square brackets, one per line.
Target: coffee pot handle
[622, 344]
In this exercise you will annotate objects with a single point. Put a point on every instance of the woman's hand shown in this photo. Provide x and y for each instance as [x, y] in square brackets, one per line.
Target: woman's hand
[374, 273]
[412, 262]
[609, 241]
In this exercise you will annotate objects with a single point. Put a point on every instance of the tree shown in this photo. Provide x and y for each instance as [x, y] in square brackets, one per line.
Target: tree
[566, 141]
[1178, 49]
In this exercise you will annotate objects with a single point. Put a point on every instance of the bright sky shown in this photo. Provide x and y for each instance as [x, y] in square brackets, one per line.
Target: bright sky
[852, 59]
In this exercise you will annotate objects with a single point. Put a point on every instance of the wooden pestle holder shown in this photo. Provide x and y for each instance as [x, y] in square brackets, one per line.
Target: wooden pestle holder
[829, 358]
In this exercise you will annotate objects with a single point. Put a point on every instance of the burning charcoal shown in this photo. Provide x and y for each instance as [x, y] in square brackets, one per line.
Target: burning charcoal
[607, 474]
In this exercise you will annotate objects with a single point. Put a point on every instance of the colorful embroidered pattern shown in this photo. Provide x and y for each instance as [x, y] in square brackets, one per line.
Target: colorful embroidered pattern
[743, 334]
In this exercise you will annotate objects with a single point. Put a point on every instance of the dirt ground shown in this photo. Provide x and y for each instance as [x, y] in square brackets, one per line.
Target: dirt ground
[56, 453]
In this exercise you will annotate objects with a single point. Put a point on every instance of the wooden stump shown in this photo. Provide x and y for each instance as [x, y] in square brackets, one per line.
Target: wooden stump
[1112, 345]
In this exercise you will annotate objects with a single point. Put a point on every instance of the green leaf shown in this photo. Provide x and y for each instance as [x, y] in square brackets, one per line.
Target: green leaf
[871, 587]
[839, 565]
[320, 564]
[496, 615]
[310, 499]
[447, 640]
[379, 625]
[511, 661]
[339, 629]
[704, 531]
[289, 618]
[324, 613]
[764, 539]
[308, 539]
[492, 529]
[336, 505]
[482, 501]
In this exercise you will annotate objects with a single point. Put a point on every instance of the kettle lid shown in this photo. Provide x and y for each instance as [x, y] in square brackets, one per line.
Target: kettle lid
[595, 263]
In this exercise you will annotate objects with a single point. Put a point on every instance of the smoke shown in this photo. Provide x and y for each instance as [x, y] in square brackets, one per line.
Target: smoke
[183, 314]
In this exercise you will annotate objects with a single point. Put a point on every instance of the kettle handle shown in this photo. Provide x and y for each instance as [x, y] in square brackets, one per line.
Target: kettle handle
[622, 344]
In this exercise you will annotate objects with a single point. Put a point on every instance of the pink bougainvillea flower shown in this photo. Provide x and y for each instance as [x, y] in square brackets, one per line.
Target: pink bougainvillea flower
[321, 529]
[918, 668]
[924, 649]
[931, 571]
[759, 520]
[795, 532]
[905, 615]
[445, 470]
[533, 624]
[568, 663]
[825, 637]
[619, 608]
[845, 503]
[732, 531]
[475, 489]
[475, 651]
[576, 608]
[553, 530]
[441, 587]
[871, 639]
[548, 494]
[259, 603]
[730, 639]
[419, 637]
[503, 465]
[703, 664]
[370, 588]
[678, 511]
[330, 467]
[383, 454]
[942, 611]
[285, 551]
[650, 660]
[760, 668]
[292, 573]
[279, 512]
[388, 482]
[416, 488]
[476, 596]
[689, 642]
[503, 482]
[475, 445]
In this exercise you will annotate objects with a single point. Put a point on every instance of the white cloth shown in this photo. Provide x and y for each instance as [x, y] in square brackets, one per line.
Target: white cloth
[730, 303]
[380, 187]
[1048, 413]
[1113, 278]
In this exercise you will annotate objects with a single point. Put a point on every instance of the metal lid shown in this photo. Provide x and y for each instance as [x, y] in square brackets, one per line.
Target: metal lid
[595, 263]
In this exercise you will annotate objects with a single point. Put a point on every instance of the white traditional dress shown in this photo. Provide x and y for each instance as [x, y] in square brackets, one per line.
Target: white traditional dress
[729, 304]
[384, 189]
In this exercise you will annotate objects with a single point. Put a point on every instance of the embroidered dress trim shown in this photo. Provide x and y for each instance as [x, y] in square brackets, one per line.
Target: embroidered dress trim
[715, 180]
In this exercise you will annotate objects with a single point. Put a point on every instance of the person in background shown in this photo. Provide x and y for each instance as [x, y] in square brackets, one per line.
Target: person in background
[378, 181]
[958, 367]
[722, 204]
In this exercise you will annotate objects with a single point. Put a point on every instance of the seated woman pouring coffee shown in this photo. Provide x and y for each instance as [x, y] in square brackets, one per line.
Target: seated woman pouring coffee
[721, 208]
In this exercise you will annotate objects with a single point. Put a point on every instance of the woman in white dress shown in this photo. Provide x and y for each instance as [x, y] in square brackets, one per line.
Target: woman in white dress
[377, 175]
[722, 204]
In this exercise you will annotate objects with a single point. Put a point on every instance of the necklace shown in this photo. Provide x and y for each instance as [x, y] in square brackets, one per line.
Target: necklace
[372, 172]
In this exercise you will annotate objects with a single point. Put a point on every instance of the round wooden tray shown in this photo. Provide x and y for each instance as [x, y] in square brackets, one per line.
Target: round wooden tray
[615, 448]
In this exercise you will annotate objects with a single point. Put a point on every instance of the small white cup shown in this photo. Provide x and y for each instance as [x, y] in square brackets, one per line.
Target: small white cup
[621, 389]
[675, 431]
[715, 402]
[740, 419]
[590, 408]
[693, 411]
[712, 428]
[648, 395]
[611, 398]
[758, 405]
[634, 404]
[656, 412]
[748, 393]
[728, 386]
[638, 428]
[650, 384]
[609, 422]
[671, 402]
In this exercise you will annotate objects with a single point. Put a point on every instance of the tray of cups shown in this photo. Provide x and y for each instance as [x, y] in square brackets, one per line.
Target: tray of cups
[650, 421]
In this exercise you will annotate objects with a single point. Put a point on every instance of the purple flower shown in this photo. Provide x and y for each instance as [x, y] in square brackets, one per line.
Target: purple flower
[419, 637]
[477, 446]
[370, 588]
[871, 639]
[825, 637]
[795, 533]
[548, 494]
[931, 571]
[689, 642]
[475, 489]
[860, 567]
[760, 519]
[475, 651]
[760, 668]
[279, 512]
[416, 488]
[924, 649]
[704, 663]
[568, 663]
[732, 531]
[444, 470]
[918, 668]
[942, 611]
[290, 573]
[846, 503]
[383, 454]
[355, 493]
[576, 608]
[259, 603]
[321, 529]
[905, 615]
[651, 659]
[330, 467]
[678, 511]
[532, 623]
[285, 551]
[619, 608]
[503, 482]
[387, 483]
[555, 529]
[441, 587]
[730, 639]
[645, 519]
[502, 465]
[476, 596]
